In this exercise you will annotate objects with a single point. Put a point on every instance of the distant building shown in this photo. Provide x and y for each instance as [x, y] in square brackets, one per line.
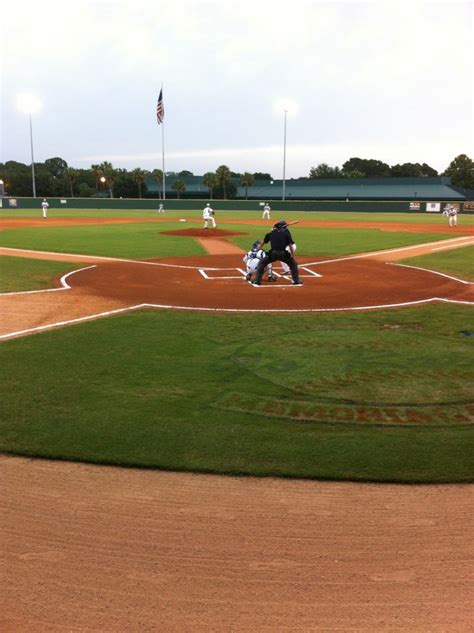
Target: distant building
[437, 188]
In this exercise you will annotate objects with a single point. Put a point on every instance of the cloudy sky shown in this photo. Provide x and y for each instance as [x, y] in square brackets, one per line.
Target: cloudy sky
[385, 80]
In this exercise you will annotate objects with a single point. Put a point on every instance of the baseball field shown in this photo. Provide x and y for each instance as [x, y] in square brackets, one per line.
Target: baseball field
[133, 340]
[365, 373]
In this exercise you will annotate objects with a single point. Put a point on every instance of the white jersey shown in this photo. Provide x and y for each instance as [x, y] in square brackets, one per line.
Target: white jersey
[207, 213]
[45, 205]
[253, 258]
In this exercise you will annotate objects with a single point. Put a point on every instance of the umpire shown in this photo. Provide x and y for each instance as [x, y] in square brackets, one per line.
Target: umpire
[279, 238]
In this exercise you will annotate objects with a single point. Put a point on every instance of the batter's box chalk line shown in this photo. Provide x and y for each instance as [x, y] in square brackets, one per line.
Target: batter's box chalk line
[213, 274]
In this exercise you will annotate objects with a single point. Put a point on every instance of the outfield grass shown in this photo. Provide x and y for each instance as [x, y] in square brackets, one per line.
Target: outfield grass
[435, 219]
[137, 241]
[140, 241]
[384, 396]
[327, 242]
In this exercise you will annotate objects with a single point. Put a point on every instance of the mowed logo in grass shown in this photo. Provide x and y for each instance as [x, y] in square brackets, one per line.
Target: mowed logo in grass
[300, 411]
[379, 377]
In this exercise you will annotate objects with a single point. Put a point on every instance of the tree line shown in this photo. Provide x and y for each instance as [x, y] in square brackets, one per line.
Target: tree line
[54, 178]
[460, 170]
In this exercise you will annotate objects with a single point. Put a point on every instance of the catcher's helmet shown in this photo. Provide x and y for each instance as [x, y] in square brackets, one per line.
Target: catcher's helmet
[256, 244]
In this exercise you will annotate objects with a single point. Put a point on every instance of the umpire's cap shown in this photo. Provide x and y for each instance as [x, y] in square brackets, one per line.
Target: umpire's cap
[280, 225]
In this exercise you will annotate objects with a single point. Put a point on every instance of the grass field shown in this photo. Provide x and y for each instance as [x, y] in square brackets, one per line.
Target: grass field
[381, 396]
[20, 274]
[147, 240]
[320, 216]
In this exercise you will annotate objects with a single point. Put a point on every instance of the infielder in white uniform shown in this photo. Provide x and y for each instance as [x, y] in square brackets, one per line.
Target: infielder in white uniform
[208, 216]
[266, 211]
[45, 207]
[452, 213]
[252, 260]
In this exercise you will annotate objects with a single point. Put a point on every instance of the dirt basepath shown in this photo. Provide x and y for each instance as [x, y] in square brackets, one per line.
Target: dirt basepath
[90, 548]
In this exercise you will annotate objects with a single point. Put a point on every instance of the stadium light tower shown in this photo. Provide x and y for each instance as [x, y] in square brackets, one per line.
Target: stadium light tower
[289, 106]
[284, 157]
[30, 104]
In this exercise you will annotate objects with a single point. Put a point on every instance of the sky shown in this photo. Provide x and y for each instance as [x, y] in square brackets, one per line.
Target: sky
[386, 80]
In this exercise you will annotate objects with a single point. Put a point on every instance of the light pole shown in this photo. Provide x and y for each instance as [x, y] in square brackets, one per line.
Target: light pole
[30, 104]
[284, 155]
[289, 106]
[2, 188]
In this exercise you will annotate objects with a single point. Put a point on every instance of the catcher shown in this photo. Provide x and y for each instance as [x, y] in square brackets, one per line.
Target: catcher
[252, 260]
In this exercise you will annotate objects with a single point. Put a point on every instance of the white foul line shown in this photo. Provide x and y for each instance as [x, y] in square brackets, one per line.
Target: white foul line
[392, 250]
[433, 272]
[64, 284]
[237, 310]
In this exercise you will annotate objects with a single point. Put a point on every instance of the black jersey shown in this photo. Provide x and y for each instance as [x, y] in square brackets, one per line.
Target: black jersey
[279, 239]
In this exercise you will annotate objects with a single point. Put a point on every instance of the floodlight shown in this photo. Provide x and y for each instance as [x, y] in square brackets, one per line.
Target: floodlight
[285, 104]
[28, 103]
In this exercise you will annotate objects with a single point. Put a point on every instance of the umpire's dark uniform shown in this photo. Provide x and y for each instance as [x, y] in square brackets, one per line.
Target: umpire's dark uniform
[279, 239]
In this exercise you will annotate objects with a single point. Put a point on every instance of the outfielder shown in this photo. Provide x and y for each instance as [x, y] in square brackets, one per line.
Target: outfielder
[452, 213]
[161, 209]
[208, 215]
[279, 239]
[45, 207]
[252, 260]
[266, 211]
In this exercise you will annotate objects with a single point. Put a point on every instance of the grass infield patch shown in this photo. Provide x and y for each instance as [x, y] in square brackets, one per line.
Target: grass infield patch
[21, 274]
[383, 396]
[456, 261]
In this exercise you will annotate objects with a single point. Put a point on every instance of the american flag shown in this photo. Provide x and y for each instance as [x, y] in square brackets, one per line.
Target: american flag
[160, 108]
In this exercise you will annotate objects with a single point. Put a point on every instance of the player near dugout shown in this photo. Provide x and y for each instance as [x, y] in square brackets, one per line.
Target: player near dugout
[279, 239]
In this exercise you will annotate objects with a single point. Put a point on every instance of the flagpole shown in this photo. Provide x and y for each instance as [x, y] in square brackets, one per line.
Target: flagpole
[163, 158]
[160, 116]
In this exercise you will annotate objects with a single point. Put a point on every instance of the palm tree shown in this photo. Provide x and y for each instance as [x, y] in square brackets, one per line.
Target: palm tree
[96, 172]
[223, 176]
[70, 175]
[210, 181]
[247, 180]
[109, 173]
[178, 186]
[158, 176]
[139, 177]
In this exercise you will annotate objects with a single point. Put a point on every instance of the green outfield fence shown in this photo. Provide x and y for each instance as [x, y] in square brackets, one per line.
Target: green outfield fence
[370, 206]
